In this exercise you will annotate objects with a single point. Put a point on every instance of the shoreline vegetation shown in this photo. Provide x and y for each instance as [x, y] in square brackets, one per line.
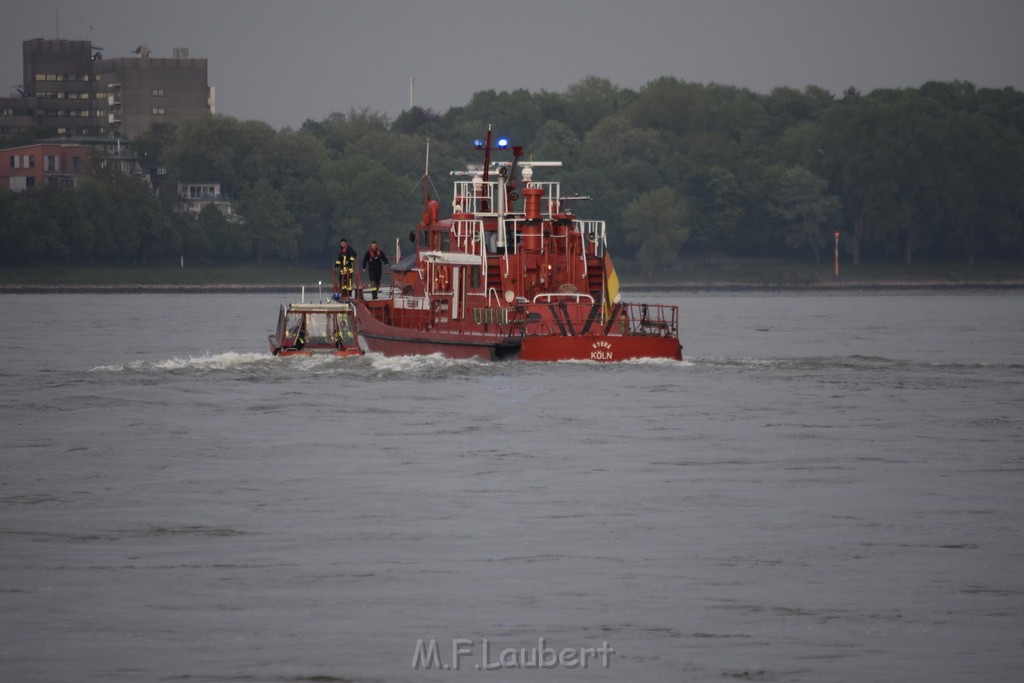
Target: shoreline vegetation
[723, 276]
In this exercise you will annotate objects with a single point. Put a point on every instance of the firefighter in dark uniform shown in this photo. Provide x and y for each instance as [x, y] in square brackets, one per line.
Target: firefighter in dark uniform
[375, 259]
[345, 264]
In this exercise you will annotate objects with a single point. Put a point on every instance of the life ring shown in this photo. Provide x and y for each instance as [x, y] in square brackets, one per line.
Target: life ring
[440, 278]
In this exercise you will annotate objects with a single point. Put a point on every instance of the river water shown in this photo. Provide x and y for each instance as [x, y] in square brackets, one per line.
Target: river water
[829, 488]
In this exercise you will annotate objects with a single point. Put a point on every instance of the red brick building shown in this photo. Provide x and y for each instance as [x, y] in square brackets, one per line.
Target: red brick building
[42, 164]
[60, 161]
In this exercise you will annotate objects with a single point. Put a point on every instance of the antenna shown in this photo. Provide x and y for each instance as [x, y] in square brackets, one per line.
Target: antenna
[412, 93]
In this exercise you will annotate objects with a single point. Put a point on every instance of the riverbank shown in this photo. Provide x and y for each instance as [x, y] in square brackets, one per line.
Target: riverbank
[312, 293]
[723, 276]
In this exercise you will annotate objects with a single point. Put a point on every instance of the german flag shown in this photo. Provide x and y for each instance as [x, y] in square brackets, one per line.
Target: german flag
[611, 284]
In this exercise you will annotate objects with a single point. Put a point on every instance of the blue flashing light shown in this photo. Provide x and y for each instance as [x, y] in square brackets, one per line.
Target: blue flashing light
[478, 144]
[502, 143]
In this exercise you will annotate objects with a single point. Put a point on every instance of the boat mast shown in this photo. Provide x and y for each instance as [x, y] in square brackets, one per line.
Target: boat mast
[508, 175]
[487, 155]
[426, 178]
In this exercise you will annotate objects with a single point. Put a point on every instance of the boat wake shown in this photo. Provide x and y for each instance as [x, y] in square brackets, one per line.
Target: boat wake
[230, 360]
[370, 366]
[428, 363]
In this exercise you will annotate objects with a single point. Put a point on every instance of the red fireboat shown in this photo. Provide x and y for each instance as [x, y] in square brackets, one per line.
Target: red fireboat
[511, 274]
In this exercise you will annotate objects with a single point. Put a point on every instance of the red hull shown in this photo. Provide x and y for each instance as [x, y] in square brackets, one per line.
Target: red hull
[602, 349]
[394, 341]
[389, 340]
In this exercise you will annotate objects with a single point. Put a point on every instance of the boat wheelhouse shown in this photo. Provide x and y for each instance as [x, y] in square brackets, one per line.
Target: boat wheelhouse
[307, 329]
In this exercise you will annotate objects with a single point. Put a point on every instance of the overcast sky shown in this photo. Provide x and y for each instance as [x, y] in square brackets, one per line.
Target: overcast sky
[285, 61]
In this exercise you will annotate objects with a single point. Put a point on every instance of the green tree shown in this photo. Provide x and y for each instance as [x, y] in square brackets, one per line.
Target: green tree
[555, 141]
[655, 222]
[229, 234]
[721, 206]
[76, 231]
[370, 203]
[19, 218]
[801, 201]
[154, 142]
[290, 156]
[592, 100]
[666, 104]
[417, 120]
[223, 149]
[339, 130]
[268, 222]
[196, 237]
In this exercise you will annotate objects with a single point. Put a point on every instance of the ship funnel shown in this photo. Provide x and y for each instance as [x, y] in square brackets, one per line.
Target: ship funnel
[532, 233]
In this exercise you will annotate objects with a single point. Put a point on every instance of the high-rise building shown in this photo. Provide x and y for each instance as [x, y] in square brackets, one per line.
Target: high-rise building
[145, 90]
[58, 74]
[70, 88]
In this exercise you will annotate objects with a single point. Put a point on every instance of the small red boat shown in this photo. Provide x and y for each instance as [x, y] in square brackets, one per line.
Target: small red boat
[512, 273]
[316, 329]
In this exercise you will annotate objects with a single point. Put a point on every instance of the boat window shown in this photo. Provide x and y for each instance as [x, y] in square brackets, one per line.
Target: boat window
[446, 241]
[316, 328]
[474, 277]
[293, 325]
[342, 326]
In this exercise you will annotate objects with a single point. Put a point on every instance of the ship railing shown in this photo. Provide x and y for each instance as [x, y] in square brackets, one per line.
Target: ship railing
[477, 199]
[648, 320]
[594, 236]
[482, 198]
[552, 197]
[624, 319]
[469, 235]
[506, 321]
[577, 297]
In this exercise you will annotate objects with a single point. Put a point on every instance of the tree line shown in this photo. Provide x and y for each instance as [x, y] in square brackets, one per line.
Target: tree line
[677, 169]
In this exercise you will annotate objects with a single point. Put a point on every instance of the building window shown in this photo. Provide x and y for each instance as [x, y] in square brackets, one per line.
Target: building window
[14, 161]
[30, 162]
[76, 164]
[51, 162]
[158, 110]
[158, 92]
